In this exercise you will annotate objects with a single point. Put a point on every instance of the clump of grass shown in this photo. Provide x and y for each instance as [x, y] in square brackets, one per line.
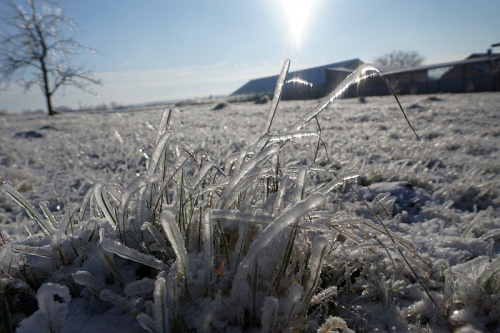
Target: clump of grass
[195, 245]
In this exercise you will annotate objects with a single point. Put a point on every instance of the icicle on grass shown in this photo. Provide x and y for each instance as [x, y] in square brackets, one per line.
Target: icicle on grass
[361, 73]
[131, 254]
[276, 97]
[208, 238]
[173, 233]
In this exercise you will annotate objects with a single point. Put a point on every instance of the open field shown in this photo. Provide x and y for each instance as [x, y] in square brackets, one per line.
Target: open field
[442, 197]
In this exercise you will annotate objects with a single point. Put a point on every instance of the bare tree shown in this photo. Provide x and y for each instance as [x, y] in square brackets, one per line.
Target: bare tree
[35, 50]
[400, 59]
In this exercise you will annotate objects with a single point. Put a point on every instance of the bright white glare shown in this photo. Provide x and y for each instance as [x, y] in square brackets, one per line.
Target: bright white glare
[297, 12]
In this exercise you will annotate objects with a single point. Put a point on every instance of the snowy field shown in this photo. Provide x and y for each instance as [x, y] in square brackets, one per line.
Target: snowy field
[434, 269]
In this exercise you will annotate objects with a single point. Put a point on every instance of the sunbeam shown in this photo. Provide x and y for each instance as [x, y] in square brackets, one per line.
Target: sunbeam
[297, 12]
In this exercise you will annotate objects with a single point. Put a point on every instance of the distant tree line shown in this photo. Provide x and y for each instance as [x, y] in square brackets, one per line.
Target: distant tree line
[399, 59]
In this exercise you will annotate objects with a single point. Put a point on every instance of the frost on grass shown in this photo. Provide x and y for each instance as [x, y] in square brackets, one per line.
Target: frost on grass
[279, 233]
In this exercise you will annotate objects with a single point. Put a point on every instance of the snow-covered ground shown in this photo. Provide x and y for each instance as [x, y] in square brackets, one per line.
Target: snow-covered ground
[441, 196]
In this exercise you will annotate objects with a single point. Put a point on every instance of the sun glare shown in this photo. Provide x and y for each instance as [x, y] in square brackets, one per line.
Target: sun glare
[297, 12]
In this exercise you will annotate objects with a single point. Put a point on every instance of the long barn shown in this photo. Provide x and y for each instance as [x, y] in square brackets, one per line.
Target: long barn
[478, 72]
[317, 79]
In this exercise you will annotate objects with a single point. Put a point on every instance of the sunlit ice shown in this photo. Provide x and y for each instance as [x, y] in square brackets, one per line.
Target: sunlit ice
[297, 12]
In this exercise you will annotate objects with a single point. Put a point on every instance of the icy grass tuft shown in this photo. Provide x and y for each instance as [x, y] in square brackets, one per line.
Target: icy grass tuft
[53, 300]
[255, 242]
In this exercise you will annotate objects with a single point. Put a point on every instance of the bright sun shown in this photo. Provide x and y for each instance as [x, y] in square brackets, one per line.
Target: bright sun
[297, 12]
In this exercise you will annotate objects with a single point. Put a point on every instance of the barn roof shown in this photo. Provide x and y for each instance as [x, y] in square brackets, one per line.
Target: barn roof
[315, 75]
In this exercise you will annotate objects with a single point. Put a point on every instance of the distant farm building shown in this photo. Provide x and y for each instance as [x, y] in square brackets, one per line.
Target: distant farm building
[314, 82]
[478, 72]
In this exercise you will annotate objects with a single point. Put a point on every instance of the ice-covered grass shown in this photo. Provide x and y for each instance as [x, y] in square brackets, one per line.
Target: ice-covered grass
[244, 219]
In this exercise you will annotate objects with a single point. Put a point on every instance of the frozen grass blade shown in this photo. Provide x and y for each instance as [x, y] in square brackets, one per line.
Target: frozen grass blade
[39, 251]
[174, 236]
[228, 196]
[69, 219]
[338, 181]
[397, 240]
[163, 125]
[280, 194]
[158, 152]
[240, 244]
[85, 204]
[137, 184]
[319, 246]
[144, 286]
[261, 218]
[363, 72]
[104, 204]
[276, 97]
[238, 162]
[32, 212]
[156, 235]
[88, 280]
[292, 136]
[299, 185]
[208, 237]
[131, 254]
[48, 214]
[358, 75]
[202, 173]
[160, 306]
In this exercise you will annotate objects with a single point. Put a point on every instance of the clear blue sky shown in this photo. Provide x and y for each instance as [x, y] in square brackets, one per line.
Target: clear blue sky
[160, 50]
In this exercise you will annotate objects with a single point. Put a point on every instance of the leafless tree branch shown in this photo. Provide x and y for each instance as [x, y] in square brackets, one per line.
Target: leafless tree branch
[35, 50]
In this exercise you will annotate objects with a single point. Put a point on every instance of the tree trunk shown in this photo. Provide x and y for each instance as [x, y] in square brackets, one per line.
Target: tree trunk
[48, 99]
[46, 89]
